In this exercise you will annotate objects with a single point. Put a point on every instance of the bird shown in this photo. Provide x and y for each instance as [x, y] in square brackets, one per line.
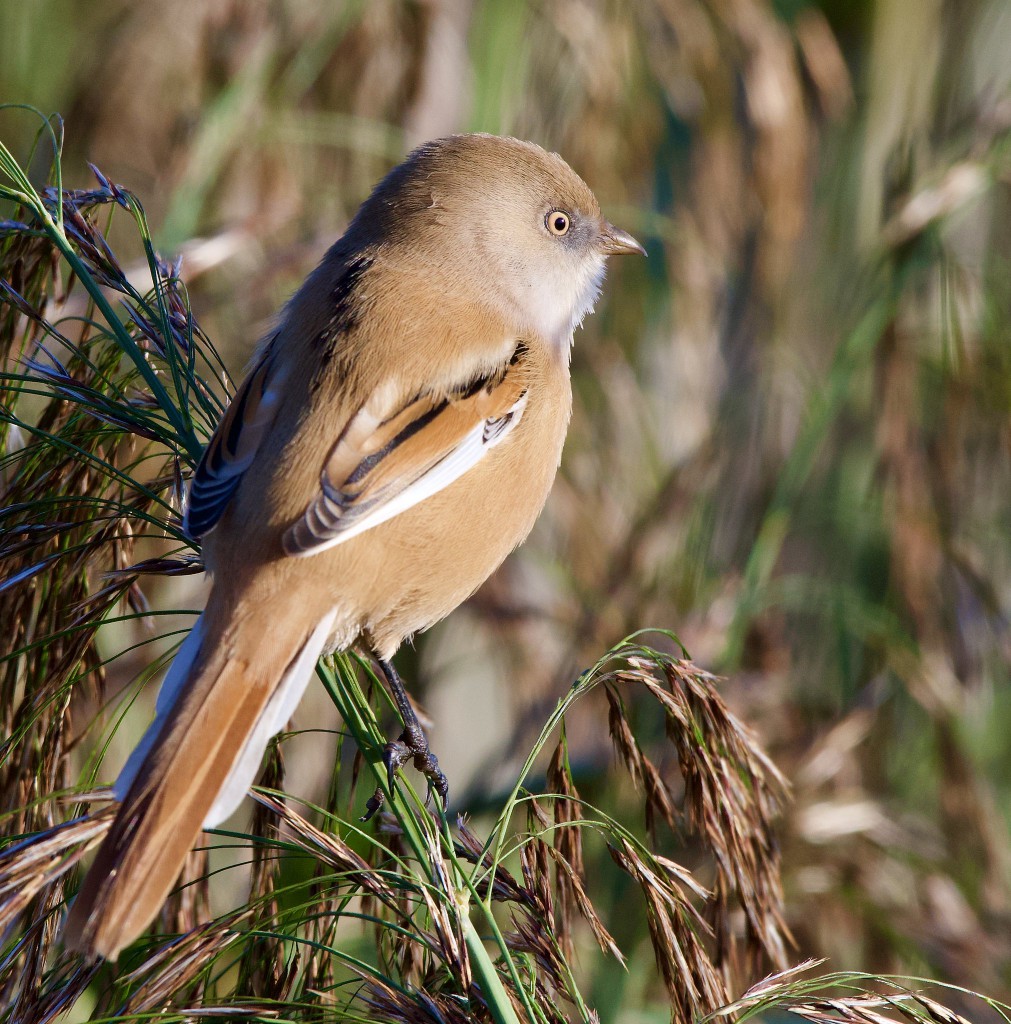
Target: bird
[394, 439]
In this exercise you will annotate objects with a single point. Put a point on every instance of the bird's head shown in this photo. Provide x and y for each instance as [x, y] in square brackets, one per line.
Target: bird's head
[506, 220]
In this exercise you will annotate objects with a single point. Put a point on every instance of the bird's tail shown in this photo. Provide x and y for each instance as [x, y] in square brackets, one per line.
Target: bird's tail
[216, 711]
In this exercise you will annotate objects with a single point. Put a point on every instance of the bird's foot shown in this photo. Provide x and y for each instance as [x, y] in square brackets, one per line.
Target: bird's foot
[412, 744]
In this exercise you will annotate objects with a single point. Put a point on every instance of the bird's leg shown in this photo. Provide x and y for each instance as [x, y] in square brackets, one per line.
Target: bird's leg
[412, 743]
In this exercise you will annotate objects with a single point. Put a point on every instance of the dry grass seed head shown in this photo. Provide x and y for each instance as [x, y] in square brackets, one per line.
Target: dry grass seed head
[866, 1009]
[568, 841]
[657, 798]
[544, 968]
[573, 897]
[444, 939]
[388, 1003]
[694, 984]
[505, 888]
[164, 977]
[328, 848]
[733, 793]
[32, 878]
[40, 861]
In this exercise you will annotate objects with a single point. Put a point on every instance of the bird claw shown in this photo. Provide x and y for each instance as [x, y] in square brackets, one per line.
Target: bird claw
[428, 764]
[396, 753]
[375, 801]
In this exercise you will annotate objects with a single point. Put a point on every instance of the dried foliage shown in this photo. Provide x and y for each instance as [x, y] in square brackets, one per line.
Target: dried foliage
[91, 461]
[852, 999]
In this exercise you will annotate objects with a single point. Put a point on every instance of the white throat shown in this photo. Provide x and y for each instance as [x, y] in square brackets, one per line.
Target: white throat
[556, 303]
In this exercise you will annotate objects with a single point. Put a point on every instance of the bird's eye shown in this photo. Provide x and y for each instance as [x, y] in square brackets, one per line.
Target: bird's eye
[557, 222]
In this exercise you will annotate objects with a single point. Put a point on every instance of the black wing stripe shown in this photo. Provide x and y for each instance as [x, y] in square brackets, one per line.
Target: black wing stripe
[370, 462]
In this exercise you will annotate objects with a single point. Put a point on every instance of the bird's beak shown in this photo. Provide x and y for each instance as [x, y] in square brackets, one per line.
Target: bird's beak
[615, 242]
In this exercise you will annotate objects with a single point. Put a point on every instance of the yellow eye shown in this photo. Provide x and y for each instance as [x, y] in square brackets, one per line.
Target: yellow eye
[557, 222]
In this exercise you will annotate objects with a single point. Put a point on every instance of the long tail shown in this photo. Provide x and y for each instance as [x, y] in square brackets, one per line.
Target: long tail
[216, 712]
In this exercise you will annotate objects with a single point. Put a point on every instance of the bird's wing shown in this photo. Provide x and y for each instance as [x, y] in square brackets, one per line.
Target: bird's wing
[232, 448]
[393, 454]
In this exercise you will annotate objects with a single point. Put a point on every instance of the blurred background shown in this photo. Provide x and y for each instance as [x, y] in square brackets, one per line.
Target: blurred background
[791, 442]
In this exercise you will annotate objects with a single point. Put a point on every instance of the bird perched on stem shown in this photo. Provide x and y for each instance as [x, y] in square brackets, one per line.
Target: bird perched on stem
[394, 440]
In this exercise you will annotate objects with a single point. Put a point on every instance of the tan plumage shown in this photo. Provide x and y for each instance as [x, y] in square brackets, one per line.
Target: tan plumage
[394, 441]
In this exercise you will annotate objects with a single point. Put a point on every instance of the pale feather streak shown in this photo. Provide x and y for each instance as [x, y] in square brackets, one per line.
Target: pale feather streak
[275, 715]
[328, 521]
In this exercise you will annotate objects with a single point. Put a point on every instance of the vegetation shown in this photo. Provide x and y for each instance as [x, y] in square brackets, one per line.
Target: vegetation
[790, 446]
